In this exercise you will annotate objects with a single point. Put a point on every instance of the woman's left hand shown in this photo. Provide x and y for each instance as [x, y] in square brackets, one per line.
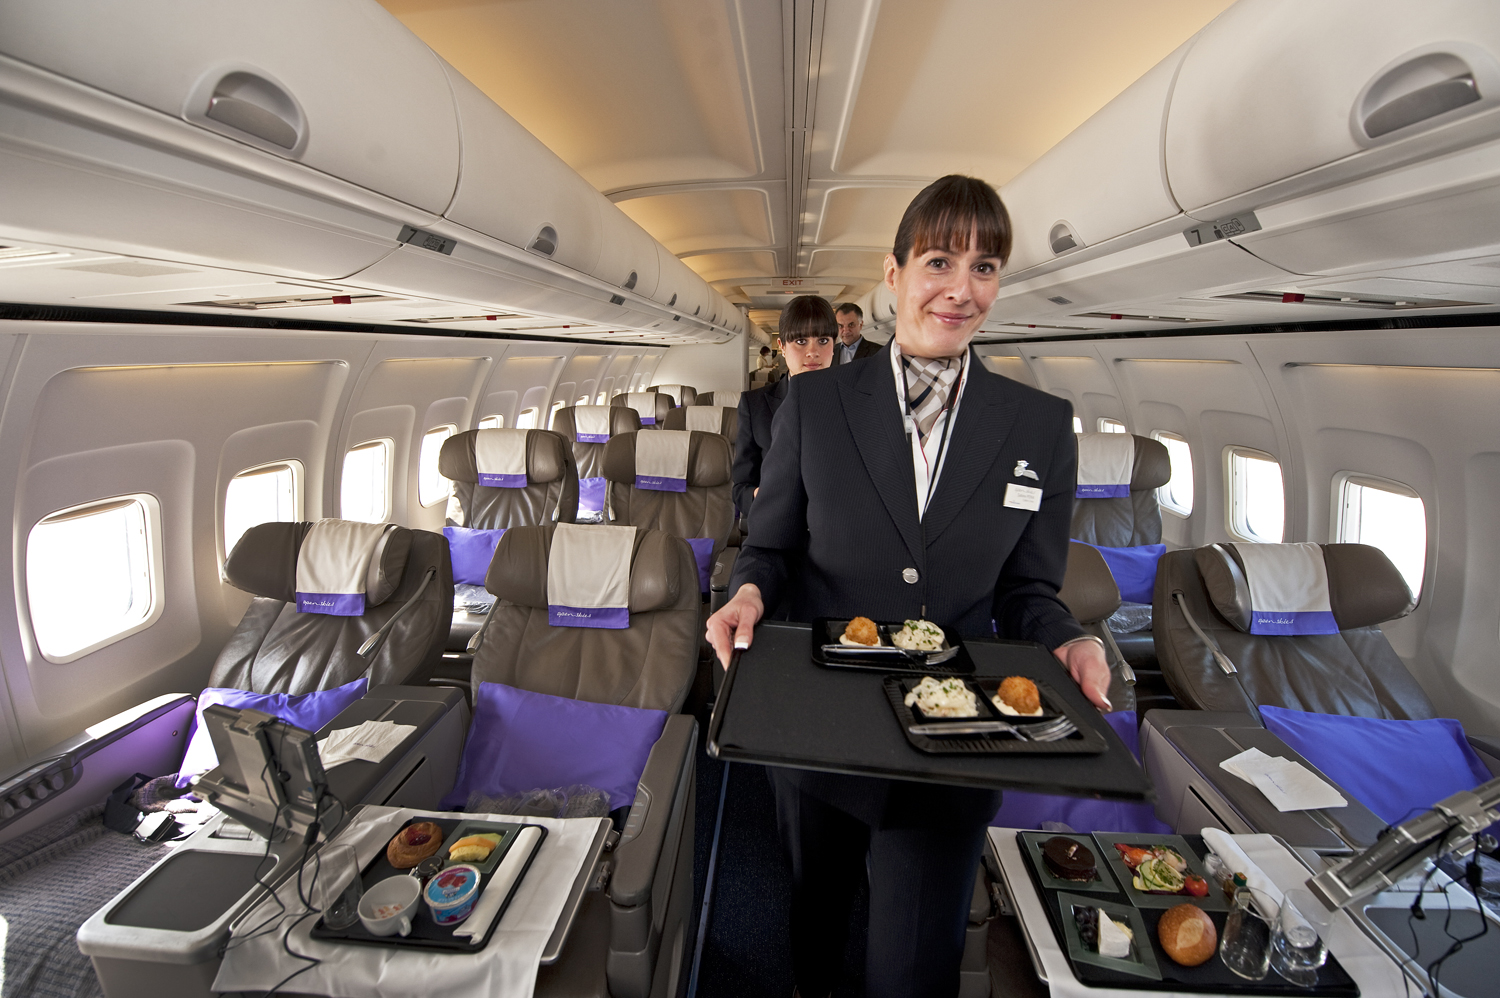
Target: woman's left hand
[1086, 663]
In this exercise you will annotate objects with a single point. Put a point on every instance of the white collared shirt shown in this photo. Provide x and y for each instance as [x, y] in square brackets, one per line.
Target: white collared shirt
[930, 455]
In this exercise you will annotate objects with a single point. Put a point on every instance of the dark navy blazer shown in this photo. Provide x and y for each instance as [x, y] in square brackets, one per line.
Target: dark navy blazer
[757, 408]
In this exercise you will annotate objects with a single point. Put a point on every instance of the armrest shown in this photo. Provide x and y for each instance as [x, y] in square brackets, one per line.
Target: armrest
[723, 568]
[1166, 720]
[665, 778]
[1489, 751]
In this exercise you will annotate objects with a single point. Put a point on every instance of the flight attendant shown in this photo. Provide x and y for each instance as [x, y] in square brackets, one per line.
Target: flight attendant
[808, 328]
[919, 484]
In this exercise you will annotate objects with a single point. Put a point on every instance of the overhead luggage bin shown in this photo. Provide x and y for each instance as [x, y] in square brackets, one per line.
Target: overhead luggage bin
[627, 258]
[1277, 99]
[679, 288]
[341, 86]
[1105, 178]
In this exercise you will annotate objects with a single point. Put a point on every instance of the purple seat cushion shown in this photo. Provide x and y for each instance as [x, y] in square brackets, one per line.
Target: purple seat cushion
[591, 493]
[1020, 809]
[524, 741]
[472, 550]
[1134, 569]
[304, 710]
[703, 554]
[1397, 769]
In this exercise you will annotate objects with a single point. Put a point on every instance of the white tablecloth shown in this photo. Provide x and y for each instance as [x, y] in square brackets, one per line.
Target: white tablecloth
[1375, 973]
[507, 966]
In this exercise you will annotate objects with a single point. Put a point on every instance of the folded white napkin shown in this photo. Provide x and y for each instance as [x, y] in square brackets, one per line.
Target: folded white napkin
[1227, 849]
[1287, 784]
[478, 922]
[370, 741]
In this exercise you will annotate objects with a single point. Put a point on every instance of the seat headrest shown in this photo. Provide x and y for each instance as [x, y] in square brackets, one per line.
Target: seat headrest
[1365, 586]
[264, 562]
[720, 398]
[586, 420]
[710, 458]
[1152, 467]
[652, 407]
[703, 418]
[681, 394]
[1270, 589]
[1089, 589]
[546, 455]
[518, 572]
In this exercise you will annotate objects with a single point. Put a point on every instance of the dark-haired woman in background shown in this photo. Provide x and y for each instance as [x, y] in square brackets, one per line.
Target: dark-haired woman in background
[808, 329]
[914, 484]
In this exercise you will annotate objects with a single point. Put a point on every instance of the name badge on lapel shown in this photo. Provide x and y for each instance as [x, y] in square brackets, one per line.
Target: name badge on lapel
[1023, 497]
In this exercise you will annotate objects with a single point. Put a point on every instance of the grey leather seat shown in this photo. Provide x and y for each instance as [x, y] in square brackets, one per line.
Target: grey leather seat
[662, 404]
[588, 455]
[551, 493]
[720, 398]
[728, 422]
[681, 394]
[1090, 594]
[276, 649]
[628, 936]
[1352, 672]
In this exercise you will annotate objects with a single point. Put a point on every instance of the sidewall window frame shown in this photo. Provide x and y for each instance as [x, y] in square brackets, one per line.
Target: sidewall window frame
[1235, 500]
[452, 431]
[1163, 494]
[1339, 508]
[299, 477]
[390, 456]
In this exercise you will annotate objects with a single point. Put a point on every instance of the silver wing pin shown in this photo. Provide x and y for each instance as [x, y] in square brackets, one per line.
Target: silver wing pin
[1022, 471]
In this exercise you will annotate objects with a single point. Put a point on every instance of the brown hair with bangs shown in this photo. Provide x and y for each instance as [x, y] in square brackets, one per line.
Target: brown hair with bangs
[947, 212]
[809, 316]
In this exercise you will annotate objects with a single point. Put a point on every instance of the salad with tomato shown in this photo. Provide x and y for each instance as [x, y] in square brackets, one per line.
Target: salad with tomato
[1160, 870]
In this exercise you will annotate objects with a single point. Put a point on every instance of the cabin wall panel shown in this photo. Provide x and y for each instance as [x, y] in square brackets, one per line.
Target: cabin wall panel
[715, 367]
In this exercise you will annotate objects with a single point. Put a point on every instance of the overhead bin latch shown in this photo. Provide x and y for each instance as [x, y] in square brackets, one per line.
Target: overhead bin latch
[250, 106]
[1424, 87]
[1224, 228]
[1063, 239]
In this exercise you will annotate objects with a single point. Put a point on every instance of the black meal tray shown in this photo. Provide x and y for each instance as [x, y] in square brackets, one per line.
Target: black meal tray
[1211, 977]
[776, 707]
[425, 933]
[1084, 741]
[826, 631]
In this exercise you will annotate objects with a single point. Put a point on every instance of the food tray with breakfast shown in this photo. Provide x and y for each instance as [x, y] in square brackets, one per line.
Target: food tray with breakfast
[1124, 937]
[434, 877]
[899, 646]
[1003, 715]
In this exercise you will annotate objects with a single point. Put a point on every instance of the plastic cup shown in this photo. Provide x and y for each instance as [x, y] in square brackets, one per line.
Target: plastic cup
[1246, 944]
[1299, 942]
[338, 887]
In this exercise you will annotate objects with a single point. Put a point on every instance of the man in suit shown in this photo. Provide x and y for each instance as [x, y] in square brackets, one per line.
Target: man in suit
[852, 345]
[919, 485]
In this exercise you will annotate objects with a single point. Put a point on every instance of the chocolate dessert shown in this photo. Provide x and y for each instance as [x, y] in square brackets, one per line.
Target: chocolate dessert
[1069, 859]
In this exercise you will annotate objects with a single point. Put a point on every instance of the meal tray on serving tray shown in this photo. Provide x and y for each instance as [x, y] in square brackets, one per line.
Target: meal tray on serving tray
[1148, 967]
[425, 933]
[1084, 741]
[828, 652]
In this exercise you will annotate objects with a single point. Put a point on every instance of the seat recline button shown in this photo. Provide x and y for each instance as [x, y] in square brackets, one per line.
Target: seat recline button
[910, 576]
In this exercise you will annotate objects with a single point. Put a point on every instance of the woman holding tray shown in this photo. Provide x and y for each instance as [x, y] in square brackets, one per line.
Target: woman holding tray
[918, 485]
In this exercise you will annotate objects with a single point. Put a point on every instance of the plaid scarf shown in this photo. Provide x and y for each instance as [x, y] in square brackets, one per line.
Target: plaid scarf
[929, 383]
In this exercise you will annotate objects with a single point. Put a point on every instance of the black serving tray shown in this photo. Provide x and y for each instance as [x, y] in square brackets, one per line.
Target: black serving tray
[885, 658]
[425, 933]
[1211, 977]
[1084, 741]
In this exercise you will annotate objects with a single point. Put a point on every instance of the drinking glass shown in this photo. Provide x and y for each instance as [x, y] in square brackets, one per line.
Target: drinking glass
[338, 888]
[1298, 946]
[1246, 946]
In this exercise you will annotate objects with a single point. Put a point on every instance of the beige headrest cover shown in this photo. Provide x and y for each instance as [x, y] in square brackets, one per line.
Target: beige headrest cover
[621, 420]
[264, 562]
[710, 458]
[546, 457]
[1364, 587]
[518, 572]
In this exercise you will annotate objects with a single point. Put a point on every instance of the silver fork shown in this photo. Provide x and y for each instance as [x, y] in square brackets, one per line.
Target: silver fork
[1051, 731]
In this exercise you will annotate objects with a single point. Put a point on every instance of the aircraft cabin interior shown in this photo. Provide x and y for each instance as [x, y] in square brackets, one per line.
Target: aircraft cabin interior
[376, 382]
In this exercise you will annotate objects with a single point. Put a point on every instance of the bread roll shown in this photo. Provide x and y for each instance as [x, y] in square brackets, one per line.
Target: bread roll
[1187, 935]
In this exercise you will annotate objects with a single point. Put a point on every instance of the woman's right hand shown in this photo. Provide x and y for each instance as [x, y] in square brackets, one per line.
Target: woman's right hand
[733, 626]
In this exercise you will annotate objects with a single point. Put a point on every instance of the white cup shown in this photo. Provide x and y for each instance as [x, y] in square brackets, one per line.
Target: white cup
[400, 891]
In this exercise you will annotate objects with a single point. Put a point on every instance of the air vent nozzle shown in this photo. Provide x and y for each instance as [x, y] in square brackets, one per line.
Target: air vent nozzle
[1060, 300]
[545, 242]
[1063, 239]
[617, 299]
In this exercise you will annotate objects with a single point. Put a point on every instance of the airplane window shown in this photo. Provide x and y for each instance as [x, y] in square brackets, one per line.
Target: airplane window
[599, 400]
[267, 494]
[527, 419]
[365, 493]
[1257, 498]
[492, 422]
[552, 413]
[1077, 425]
[109, 550]
[1111, 426]
[432, 487]
[1177, 494]
[1389, 516]
[582, 400]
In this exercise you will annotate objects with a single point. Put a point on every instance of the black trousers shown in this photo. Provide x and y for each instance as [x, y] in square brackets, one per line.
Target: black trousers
[921, 881]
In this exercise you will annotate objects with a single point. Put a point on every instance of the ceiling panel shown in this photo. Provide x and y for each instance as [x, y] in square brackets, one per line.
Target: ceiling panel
[732, 266]
[693, 221]
[839, 263]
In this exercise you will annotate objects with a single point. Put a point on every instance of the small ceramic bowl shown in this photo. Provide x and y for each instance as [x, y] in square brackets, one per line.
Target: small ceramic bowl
[451, 894]
[389, 907]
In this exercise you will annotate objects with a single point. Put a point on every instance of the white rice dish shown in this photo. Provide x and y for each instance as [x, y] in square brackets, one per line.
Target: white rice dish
[943, 698]
[919, 635]
[1006, 708]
